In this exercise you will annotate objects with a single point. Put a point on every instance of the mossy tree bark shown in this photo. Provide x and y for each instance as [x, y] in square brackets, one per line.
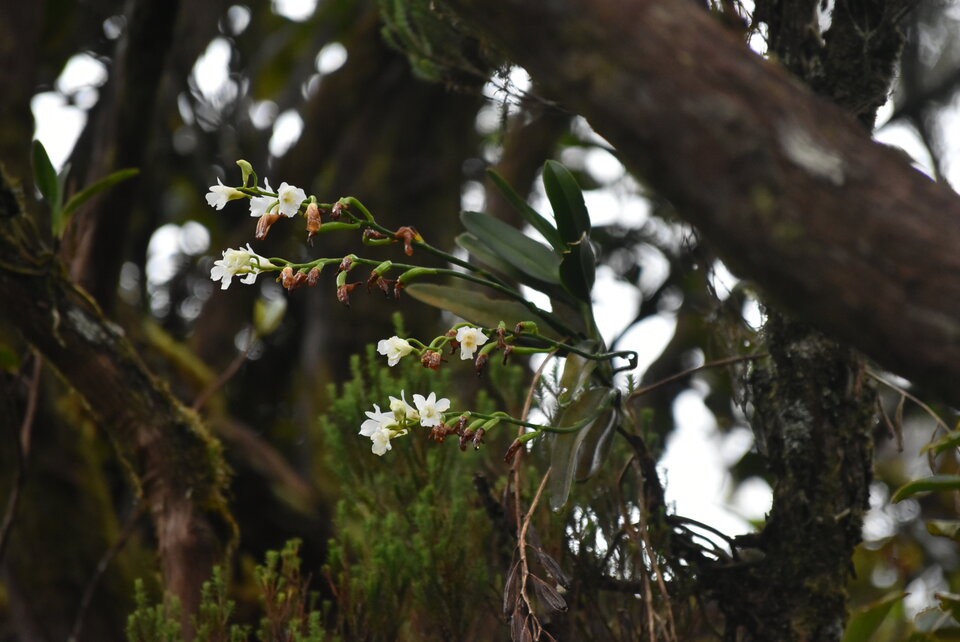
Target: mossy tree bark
[175, 462]
[837, 229]
[795, 196]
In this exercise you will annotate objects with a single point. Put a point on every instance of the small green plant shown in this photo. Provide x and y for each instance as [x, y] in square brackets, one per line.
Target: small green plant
[288, 612]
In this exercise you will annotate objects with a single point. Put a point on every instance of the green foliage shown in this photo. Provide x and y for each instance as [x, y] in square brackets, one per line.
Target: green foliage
[285, 600]
[412, 559]
[47, 181]
[515, 247]
[51, 186]
[927, 484]
[530, 215]
[287, 614]
[156, 623]
[438, 49]
[865, 622]
[476, 308]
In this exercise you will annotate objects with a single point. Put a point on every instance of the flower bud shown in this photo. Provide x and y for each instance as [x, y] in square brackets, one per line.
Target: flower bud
[286, 277]
[313, 220]
[481, 363]
[431, 359]
[313, 276]
[343, 291]
[264, 223]
[478, 438]
[408, 235]
[291, 280]
[387, 286]
[526, 326]
[441, 432]
[372, 235]
[512, 450]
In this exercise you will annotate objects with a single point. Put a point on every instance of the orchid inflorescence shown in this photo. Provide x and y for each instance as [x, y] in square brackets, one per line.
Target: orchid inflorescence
[472, 341]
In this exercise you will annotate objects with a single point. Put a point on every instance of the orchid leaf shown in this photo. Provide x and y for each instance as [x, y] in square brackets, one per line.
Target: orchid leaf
[927, 484]
[475, 307]
[536, 220]
[90, 191]
[47, 182]
[482, 252]
[514, 247]
[578, 270]
[566, 198]
[865, 621]
[565, 447]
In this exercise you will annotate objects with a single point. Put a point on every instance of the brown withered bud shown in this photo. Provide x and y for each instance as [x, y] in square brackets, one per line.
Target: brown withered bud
[373, 280]
[386, 286]
[439, 433]
[291, 280]
[465, 437]
[454, 344]
[286, 277]
[399, 285]
[313, 276]
[369, 234]
[337, 210]
[501, 334]
[313, 221]
[345, 264]
[431, 359]
[408, 235]
[264, 224]
[506, 353]
[481, 363]
[478, 438]
[512, 451]
[343, 292]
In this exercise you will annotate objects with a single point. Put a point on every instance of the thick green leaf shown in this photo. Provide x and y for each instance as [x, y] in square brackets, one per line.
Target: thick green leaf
[475, 307]
[514, 247]
[480, 251]
[596, 444]
[578, 269]
[565, 196]
[536, 220]
[927, 484]
[46, 179]
[865, 621]
[89, 192]
[565, 447]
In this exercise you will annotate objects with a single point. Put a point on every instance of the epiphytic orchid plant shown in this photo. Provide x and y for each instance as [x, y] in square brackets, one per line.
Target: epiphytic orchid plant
[588, 406]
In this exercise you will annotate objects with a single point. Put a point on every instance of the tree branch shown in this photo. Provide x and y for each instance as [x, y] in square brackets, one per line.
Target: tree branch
[792, 192]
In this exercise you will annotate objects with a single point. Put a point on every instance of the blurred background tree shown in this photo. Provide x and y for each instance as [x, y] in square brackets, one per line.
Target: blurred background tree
[421, 547]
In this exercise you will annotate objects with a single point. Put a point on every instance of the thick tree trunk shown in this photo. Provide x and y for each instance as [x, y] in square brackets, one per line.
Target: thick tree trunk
[176, 462]
[793, 193]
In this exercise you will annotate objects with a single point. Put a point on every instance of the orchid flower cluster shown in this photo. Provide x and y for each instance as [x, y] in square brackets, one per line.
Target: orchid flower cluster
[472, 341]
[381, 426]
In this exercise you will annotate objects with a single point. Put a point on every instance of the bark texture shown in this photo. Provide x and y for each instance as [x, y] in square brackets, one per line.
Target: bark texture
[176, 463]
[837, 229]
